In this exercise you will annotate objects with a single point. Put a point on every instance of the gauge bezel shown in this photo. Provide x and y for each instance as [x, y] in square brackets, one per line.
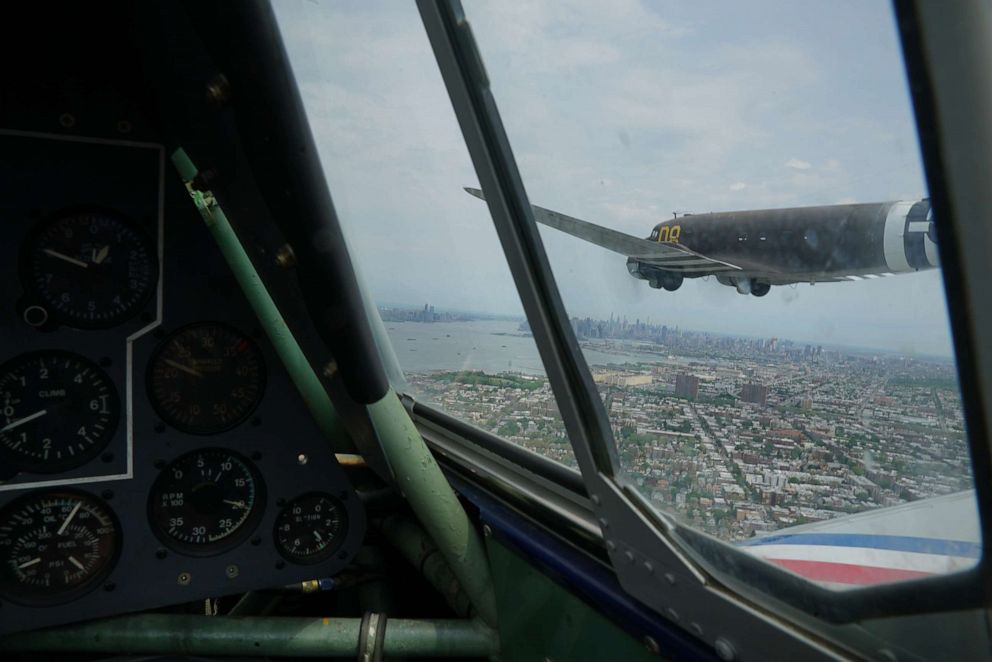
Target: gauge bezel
[228, 542]
[202, 431]
[33, 296]
[98, 578]
[325, 554]
[84, 457]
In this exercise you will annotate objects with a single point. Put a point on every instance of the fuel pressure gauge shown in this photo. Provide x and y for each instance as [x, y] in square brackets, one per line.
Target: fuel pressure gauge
[55, 546]
[311, 528]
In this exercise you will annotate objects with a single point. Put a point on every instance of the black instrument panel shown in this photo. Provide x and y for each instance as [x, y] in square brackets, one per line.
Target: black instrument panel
[153, 450]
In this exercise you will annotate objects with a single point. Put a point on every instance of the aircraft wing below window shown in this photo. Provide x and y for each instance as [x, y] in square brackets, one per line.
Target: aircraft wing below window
[668, 255]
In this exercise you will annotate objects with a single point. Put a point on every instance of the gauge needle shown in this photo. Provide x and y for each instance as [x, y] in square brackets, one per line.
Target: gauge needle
[99, 257]
[73, 561]
[72, 513]
[184, 368]
[316, 535]
[62, 256]
[239, 504]
[22, 421]
[28, 564]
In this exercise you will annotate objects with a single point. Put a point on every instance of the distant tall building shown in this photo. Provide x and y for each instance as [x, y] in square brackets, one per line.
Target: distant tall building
[755, 393]
[687, 386]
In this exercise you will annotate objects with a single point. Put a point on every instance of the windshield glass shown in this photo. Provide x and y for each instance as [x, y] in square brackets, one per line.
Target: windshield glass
[758, 297]
[764, 314]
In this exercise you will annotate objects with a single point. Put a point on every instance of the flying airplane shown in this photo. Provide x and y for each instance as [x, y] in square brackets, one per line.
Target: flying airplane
[207, 450]
[753, 250]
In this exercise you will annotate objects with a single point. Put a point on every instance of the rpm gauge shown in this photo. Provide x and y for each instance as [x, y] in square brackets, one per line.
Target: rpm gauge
[206, 378]
[88, 270]
[311, 528]
[58, 410]
[206, 502]
[55, 546]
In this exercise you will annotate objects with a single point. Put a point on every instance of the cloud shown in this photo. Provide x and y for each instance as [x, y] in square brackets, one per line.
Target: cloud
[738, 186]
[796, 164]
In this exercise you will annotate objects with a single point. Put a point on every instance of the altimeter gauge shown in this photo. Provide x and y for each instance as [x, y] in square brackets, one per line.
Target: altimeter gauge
[58, 410]
[206, 501]
[206, 378]
[87, 269]
[311, 528]
[55, 546]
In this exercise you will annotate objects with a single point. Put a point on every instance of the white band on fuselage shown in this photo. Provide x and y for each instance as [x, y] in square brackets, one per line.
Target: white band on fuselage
[893, 242]
[933, 257]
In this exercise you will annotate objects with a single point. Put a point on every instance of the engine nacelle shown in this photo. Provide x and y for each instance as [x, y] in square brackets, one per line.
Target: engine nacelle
[657, 278]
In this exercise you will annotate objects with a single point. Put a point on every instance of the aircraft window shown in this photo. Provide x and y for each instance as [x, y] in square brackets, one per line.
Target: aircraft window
[798, 397]
[396, 165]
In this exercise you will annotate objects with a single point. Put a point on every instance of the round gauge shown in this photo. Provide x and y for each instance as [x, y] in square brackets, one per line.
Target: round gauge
[311, 528]
[55, 546]
[58, 410]
[89, 269]
[206, 501]
[206, 378]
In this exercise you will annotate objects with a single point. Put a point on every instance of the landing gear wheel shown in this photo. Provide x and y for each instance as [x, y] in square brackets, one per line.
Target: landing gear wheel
[760, 289]
[673, 284]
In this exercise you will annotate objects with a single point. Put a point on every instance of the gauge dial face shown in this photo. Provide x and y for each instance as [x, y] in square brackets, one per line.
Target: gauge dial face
[206, 378]
[55, 546]
[311, 528]
[90, 270]
[206, 501]
[58, 410]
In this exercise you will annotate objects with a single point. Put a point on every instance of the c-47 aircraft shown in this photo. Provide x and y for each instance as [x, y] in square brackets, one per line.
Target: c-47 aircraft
[753, 250]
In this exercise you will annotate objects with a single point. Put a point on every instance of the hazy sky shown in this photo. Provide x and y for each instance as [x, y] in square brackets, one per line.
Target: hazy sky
[620, 113]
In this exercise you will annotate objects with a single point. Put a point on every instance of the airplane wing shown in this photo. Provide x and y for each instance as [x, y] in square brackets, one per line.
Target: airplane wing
[674, 257]
[916, 539]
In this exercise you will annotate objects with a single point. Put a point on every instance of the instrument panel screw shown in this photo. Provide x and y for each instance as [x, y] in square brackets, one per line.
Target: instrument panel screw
[595, 499]
[219, 90]
[603, 523]
[487, 531]
[670, 578]
[232, 571]
[67, 120]
[123, 126]
[330, 368]
[651, 645]
[302, 458]
[285, 257]
[184, 579]
[724, 650]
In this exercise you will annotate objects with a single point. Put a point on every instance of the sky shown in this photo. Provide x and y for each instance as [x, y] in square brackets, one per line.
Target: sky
[620, 113]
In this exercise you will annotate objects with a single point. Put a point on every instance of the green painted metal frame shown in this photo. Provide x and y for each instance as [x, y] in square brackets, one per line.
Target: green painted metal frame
[435, 504]
[261, 636]
[300, 371]
[414, 468]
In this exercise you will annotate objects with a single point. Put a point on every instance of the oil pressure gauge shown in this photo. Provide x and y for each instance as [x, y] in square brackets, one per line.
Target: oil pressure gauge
[55, 546]
[311, 528]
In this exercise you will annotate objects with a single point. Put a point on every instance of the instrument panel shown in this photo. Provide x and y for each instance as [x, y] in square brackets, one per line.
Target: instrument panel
[153, 450]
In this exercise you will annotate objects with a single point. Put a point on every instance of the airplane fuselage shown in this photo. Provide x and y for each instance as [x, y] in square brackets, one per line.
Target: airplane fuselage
[805, 244]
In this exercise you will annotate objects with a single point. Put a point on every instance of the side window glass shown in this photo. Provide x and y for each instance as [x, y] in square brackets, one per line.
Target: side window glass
[396, 163]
